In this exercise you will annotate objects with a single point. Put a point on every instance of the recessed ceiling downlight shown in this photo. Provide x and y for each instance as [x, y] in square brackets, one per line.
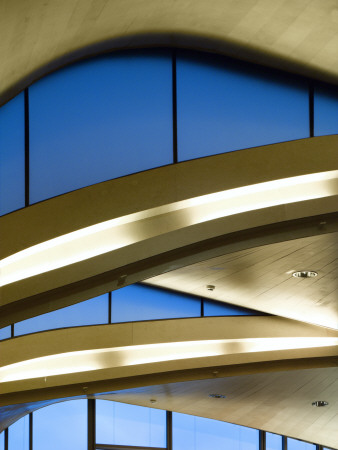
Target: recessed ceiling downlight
[320, 403]
[217, 396]
[305, 274]
[210, 287]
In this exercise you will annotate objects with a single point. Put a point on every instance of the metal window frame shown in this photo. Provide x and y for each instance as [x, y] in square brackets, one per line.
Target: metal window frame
[125, 447]
[91, 435]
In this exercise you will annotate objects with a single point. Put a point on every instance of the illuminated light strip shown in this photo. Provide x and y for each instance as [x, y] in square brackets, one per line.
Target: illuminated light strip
[120, 232]
[88, 360]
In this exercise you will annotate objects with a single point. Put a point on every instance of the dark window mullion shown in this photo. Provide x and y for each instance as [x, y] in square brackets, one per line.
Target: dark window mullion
[91, 425]
[169, 430]
[30, 431]
[311, 109]
[109, 306]
[6, 439]
[284, 443]
[26, 147]
[174, 105]
[262, 440]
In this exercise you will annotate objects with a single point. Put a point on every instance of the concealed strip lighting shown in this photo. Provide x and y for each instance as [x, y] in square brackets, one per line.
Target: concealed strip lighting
[305, 274]
[108, 358]
[123, 231]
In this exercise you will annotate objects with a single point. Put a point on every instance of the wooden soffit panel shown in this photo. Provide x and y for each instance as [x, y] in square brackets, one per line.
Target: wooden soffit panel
[39, 36]
[115, 233]
[59, 363]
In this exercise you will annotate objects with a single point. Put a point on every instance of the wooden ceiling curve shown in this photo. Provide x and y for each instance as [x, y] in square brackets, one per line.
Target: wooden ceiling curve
[151, 231]
[240, 355]
[40, 36]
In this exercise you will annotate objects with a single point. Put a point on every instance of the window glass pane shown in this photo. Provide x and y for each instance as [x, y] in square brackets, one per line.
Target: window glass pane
[138, 302]
[100, 119]
[184, 432]
[114, 422]
[197, 433]
[273, 441]
[325, 111]
[12, 155]
[294, 444]
[5, 333]
[18, 435]
[90, 312]
[61, 426]
[212, 308]
[2, 441]
[224, 106]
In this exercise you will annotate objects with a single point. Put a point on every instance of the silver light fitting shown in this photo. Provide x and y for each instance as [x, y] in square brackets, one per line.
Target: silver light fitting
[217, 396]
[320, 403]
[305, 274]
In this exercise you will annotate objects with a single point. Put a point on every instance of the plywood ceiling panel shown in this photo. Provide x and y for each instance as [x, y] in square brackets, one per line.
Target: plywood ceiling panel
[278, 402]
[261, 278]
[40, 35]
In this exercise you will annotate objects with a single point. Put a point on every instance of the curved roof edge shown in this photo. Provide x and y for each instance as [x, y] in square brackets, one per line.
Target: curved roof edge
[225, 47]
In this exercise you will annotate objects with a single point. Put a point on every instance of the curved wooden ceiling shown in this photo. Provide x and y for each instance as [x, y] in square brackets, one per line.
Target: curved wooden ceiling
[269, 401]
[41, 35]
[122, 231]
[251, 359]
[261, 278]
[184, 182]
[299, 36]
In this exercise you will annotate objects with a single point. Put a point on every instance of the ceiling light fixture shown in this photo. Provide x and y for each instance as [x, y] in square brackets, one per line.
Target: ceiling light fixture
[305, 274]
[210, 287]
[320, 403]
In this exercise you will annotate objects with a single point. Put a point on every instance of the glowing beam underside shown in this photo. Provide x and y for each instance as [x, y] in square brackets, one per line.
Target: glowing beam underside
[89, 360]
[123, 231]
